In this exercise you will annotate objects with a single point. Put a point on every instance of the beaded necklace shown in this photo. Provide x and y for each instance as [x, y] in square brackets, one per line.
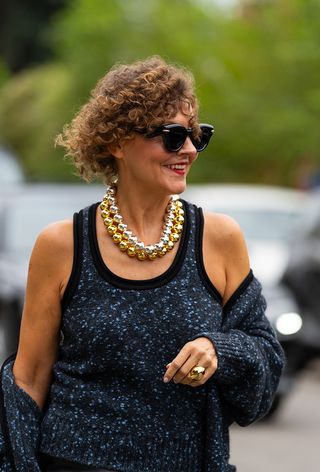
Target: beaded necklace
[127, 242]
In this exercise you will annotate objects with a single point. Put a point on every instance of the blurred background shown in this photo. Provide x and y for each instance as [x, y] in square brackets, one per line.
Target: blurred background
[257, 70]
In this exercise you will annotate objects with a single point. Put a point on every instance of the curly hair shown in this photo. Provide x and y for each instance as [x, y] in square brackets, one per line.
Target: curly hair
[128, 99]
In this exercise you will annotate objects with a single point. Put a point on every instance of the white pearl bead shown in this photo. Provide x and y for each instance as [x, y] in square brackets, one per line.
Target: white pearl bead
[139, 246]
[132, 239]
[117, 218]
[166, 232]
[127, 233]
[114, 209]
[168, 224]
[165, 239]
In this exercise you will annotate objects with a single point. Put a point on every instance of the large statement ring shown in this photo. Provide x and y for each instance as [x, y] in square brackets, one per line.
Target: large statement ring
[197, 372]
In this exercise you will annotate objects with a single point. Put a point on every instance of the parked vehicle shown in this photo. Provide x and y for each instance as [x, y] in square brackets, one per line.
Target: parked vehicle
[268, 217]
[303, 277]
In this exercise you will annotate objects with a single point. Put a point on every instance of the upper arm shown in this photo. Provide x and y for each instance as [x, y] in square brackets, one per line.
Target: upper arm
[225, 253]
[49, 269]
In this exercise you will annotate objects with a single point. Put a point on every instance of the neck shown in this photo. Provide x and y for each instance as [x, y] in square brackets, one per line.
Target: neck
[143, 213]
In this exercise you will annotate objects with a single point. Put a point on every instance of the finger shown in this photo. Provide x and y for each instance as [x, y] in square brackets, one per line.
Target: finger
[183, 372]
[177, 362]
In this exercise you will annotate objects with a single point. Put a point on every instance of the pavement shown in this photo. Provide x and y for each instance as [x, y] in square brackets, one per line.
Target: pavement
[290, 442]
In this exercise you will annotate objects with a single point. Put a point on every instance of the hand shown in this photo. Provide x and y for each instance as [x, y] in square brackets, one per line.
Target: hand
[201, 352]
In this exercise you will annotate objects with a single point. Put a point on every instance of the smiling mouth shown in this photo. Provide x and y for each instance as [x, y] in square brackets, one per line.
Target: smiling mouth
[179, 169]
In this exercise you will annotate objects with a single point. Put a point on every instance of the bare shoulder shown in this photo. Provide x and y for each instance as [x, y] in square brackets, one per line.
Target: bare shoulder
[52, 254]
[222, 228]
[223, 234]
[57, 236]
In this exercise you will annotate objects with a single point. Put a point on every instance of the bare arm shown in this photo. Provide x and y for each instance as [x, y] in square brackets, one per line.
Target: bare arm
[49, 270]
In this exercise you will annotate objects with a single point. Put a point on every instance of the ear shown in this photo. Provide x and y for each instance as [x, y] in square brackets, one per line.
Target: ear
[117, 150]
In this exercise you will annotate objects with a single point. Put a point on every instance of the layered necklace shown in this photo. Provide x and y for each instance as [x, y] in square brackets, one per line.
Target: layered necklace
[127, 242]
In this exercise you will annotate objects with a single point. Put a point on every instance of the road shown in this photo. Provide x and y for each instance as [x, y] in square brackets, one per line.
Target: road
[291, 443]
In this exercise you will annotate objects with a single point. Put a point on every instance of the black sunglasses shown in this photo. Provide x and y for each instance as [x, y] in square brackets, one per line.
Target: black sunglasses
[174, 136]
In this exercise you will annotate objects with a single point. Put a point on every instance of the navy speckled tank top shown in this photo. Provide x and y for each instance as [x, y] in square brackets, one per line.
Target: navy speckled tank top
[108, 404]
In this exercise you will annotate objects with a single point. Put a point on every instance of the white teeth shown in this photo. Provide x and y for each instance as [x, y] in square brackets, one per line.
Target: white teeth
[177, 166]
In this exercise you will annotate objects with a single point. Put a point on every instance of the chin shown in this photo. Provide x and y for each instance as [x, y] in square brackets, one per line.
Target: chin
[177, 187]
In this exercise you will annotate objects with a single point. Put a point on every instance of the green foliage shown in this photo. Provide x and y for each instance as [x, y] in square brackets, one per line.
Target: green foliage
[257, 79]
[32, 107]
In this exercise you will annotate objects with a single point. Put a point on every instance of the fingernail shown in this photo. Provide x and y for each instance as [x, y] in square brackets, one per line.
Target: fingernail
[166, 379]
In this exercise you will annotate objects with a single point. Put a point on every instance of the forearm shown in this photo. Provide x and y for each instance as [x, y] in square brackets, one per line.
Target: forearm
[35, 384]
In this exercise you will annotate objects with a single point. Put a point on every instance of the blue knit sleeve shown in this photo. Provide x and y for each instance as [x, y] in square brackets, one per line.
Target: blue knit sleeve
[250, 359]
[22, 419]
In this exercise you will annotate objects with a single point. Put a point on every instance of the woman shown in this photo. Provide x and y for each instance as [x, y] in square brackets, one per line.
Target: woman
[142, 319]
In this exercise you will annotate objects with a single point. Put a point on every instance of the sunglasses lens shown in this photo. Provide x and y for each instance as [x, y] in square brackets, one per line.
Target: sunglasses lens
[201, 143]
[175, 139]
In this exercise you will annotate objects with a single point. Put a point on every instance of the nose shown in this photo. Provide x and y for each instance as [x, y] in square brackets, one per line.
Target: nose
[188, 148]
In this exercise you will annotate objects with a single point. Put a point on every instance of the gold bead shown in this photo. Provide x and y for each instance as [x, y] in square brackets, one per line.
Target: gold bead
[108, 221]
[111, 229]
[170, 245]
[177, 228]
[123, 245]
[141, 256]
[178, 204]
[163, 252]
[103, 205]
[174, 237]
[152, 256]
[180, 219]
[105, 214]
[180, 211]
[117, 238]
[122, 227]
[131, 251]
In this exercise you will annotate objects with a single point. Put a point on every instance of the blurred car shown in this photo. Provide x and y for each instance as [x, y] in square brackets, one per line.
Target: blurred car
[303, 276]
[24, 211]
[268, 217]
[10, 170]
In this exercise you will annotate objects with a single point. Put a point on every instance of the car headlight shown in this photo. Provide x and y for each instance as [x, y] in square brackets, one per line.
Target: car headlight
[289, 323]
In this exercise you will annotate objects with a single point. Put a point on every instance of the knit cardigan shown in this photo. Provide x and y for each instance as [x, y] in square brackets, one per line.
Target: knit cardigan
[250, 361]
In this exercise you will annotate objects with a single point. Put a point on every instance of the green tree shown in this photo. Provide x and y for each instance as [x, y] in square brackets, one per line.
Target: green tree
[257, 79]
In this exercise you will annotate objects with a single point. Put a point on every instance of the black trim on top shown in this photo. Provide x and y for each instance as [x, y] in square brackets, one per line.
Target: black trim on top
[77, 260]
[3, 418]
[130, 284]
[236, 294]
[202, 271]
[199, 256]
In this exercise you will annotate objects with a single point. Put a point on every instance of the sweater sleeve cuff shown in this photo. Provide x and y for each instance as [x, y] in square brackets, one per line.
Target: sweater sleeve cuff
[232, 354]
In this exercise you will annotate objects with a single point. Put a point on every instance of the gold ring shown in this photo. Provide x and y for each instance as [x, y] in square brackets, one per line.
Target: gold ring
[197, 372]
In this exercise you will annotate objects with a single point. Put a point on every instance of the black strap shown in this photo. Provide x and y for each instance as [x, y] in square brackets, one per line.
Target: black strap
[77, 259]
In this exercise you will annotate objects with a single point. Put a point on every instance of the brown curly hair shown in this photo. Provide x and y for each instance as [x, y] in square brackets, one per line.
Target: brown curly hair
[128, 99]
